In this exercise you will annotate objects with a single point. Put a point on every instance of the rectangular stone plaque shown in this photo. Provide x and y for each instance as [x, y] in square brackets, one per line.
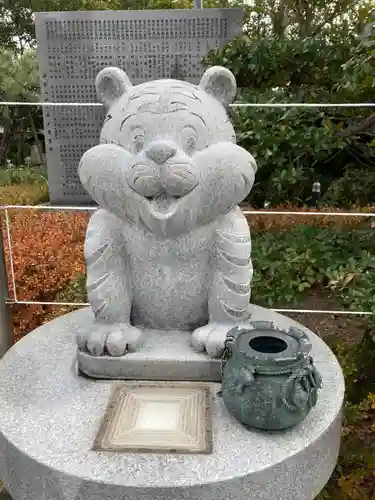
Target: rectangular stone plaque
[74, 46]
[157, 417]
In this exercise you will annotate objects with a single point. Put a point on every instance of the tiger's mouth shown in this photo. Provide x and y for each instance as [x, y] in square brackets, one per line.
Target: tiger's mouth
[163, 205]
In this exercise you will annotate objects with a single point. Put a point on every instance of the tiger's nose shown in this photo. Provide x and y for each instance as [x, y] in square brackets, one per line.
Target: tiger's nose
[160, 152]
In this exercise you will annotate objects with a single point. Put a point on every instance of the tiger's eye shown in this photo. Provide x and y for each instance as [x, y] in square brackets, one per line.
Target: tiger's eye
[189, 139]
[139, 137]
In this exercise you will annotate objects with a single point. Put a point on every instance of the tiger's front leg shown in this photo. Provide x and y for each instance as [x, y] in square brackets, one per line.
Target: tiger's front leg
[230, 289]
[108, 288]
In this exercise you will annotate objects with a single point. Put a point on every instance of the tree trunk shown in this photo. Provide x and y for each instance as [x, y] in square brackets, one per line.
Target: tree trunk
[37, 141]
[279, 19]
[4, 146]
[305, 18]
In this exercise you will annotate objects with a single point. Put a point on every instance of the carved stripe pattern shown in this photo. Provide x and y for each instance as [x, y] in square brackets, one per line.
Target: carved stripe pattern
[234, 269]
[240, 288]
[94, 255]
[106, 277]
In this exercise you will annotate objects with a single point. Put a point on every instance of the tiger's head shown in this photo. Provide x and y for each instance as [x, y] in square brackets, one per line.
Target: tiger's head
[167, 154]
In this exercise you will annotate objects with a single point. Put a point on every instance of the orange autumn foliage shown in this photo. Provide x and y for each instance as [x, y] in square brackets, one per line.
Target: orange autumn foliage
[47, 250]
[274, 222]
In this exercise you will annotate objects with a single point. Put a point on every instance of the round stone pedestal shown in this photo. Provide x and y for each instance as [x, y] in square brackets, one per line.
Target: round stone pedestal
[50, 416]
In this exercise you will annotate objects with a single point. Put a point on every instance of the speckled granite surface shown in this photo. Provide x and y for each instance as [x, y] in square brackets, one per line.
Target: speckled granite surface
[164, 355]
[49, 417]
[169, 247]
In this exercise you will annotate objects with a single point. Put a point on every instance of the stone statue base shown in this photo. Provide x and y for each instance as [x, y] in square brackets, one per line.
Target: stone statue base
[162, 356]
[50, 416]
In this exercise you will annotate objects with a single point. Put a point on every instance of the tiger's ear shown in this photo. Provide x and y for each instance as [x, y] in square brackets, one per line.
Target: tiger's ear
[220, 83]
[111, 84]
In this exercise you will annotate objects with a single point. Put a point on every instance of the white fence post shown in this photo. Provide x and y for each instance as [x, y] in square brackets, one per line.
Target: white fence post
[5, 314]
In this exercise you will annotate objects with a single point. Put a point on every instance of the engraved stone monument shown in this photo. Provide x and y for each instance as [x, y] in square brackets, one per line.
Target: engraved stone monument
[169, 274]
[74, 46]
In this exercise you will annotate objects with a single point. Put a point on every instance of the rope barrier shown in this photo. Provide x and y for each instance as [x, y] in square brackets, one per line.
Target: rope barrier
[15, 300]
[234, 105]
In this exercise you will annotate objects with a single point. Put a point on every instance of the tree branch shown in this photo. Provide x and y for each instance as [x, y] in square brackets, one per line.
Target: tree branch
[357, 128]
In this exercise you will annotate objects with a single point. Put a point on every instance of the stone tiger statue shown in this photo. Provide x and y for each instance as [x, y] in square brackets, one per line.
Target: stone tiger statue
[169, 247]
